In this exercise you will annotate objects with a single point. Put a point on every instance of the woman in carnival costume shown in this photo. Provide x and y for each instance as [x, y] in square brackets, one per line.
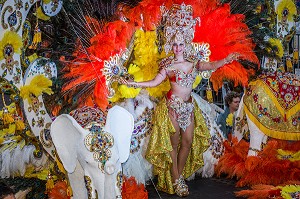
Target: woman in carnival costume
[91, 75]
[179, 133]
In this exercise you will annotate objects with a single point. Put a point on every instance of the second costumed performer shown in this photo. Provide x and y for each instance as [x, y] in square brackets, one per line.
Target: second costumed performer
[179, 135]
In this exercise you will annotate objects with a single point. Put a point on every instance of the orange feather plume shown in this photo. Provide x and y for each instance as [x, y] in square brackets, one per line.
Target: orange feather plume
[113, 37]
[265, 168]
[259, 192]
[59, 191]
[131, 189]
[227, 33]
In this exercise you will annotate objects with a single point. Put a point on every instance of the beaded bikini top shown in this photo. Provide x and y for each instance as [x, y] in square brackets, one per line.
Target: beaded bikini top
[182, 78]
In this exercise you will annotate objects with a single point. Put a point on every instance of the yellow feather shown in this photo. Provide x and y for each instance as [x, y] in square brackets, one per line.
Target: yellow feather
[42, 174]
[290, 6]
[8, 118]
[127, 92]
[229, 120]
[133, 69]
[40, 14]
[289, 65]
[117, 96]
[197, 81]
[10, 130]
[13, 39]
[144, 67]
[12, 108]
[160, 90]
[38, 85]
[277, 46]
[287, 191]
[19, 125]
[146, 54]
[296, 55]
[42, 83]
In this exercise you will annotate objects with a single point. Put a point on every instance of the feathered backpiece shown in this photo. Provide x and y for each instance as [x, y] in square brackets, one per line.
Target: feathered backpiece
[227, 33]
[136, 29]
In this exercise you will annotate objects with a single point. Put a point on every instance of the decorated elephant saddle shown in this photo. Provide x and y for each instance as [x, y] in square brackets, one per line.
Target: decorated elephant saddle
[85, 115]
[272, 102]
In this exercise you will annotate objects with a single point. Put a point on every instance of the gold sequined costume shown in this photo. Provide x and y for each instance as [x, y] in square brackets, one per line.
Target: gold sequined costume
[159, 147]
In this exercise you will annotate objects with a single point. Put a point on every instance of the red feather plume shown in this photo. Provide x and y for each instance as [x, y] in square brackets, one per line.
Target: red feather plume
[265, 168]
[227, 33]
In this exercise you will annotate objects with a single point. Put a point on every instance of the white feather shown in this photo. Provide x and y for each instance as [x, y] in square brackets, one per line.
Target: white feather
[210, 112]
[5, 171]
[27, 152]
[15, 162]
[137, 165]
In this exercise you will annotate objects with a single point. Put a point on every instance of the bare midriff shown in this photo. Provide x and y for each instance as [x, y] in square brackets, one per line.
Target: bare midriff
[180, 91]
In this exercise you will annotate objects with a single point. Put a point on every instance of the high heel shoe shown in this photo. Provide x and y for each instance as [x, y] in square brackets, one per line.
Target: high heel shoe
[181, 189]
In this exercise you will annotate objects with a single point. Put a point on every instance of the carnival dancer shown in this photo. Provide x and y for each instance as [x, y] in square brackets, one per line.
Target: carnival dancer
[179, 135]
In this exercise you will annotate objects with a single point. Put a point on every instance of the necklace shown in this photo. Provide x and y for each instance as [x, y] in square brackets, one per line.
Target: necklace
[178, 62]
[175, 60]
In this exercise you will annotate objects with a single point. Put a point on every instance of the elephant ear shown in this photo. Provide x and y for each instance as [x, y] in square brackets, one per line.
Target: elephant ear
[65, 135]
[120, 124]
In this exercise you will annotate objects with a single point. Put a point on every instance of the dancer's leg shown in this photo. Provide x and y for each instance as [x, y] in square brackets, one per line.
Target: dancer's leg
[175, 142]
[185, 147]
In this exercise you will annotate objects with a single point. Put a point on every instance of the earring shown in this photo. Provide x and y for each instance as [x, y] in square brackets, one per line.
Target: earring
[185, 55]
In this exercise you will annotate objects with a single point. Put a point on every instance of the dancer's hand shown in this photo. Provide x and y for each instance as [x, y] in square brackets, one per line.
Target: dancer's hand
[123, 81]
[232, 57]
[128, 83]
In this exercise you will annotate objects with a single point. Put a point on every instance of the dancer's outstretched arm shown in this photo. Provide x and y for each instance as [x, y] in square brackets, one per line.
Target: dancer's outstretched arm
[217, 64]
[160, 77]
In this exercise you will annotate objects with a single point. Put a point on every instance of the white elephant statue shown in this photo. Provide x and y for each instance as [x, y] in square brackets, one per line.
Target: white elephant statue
[92, 156]
[270, 108]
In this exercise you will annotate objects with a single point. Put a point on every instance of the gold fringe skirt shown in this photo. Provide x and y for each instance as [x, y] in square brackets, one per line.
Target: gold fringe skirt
[159, 147]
